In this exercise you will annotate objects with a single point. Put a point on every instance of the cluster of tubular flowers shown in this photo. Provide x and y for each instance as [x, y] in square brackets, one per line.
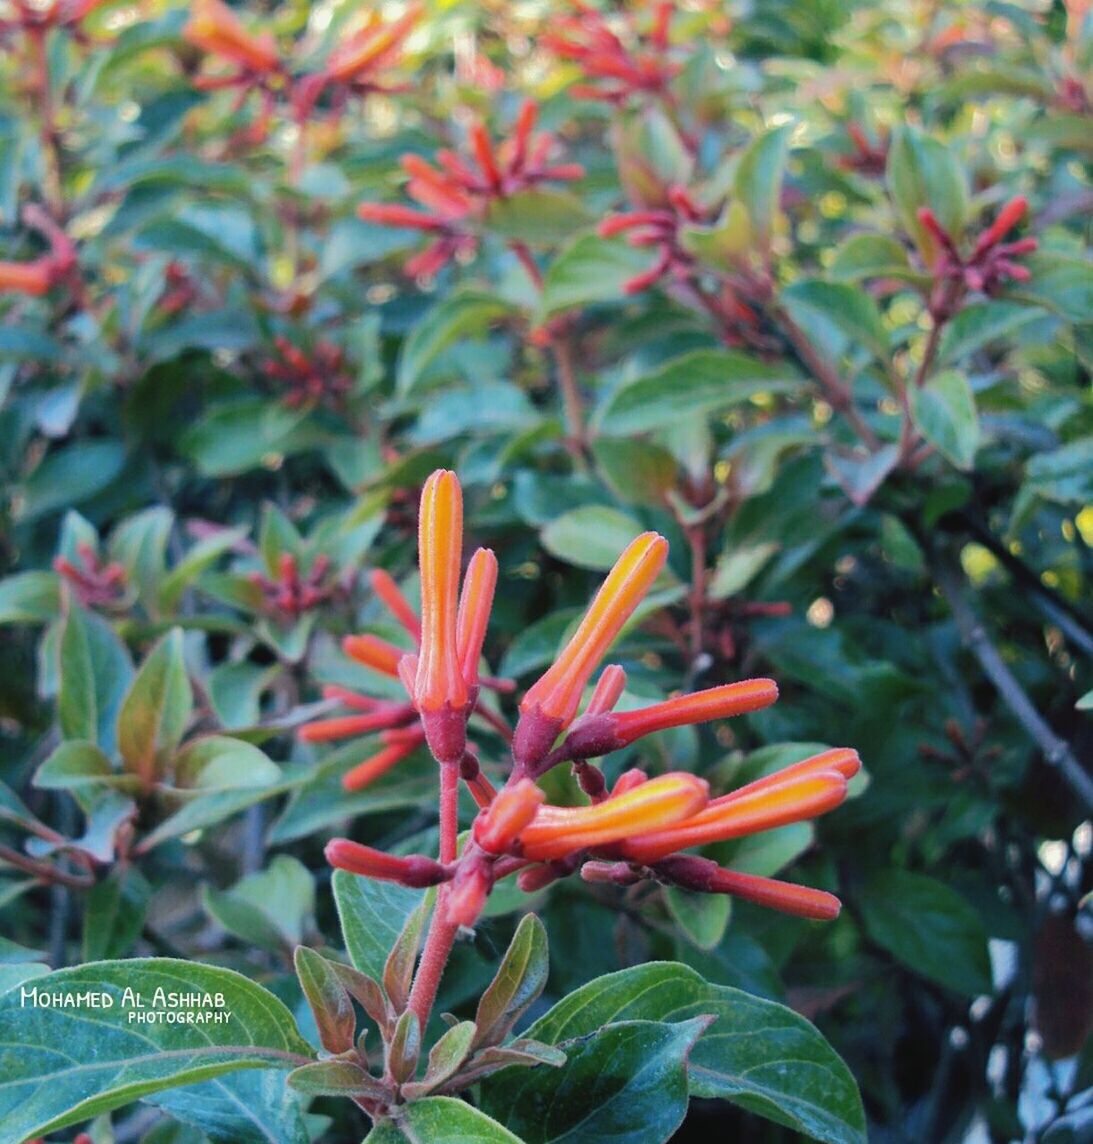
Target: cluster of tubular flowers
[638, 828]
[57, 265]
[404, 727]
[989, 264]
[353, 67]
[614, 72]
[307, 379]
[455, 194]
[95, 583]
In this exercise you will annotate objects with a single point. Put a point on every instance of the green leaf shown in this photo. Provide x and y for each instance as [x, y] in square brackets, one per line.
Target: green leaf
[441, 1120]
[705, 382]
[928, 927]
[335, 1078]
[109, 1061]
[758, 180]
[625, 1084]
[979, 324]
[768, 852]
[445, 1058]
[592, 536]
[703, 918]
[139, 544]
[869, 256]
[70, 476]
[221, 763]
[95, 670]
[156, 710]
[944, 412]
[29, 598]
[271, 908]
[372, 915]
[200, 557]
[638, 472]
[589, 270]
[757, 1053]
[240, 435]
[922, 172]
[114, 914]
[464, 314]
[330, 1003]
[848, 308]
[537, 216]
[520, 979]
[75, 763]
[1064, 475]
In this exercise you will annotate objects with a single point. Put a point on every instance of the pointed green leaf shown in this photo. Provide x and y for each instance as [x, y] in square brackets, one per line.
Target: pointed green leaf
[156, 710]
[520, 979]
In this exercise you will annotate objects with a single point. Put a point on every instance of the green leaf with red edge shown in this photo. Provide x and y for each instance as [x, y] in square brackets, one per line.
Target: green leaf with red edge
[156, 710]
[328, 999]
[923, 172]
[520, 978]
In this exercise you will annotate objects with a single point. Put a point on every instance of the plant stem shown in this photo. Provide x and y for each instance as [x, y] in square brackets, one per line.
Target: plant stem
[837, 393]
[696, 535]
[1057, 752]
[438, 945]
[46, 871]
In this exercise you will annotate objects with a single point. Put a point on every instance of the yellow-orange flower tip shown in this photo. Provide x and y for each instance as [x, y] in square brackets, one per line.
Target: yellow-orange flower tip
[779, 804]
[377, 765]
[414, 870]
[439, 680]
[373, 652]
[558, 691]
[707, 877]
[383, 584]
[841, 759]
[629, 780]
[514, 808]
[475, 604]
[214, 28]
[654, 805]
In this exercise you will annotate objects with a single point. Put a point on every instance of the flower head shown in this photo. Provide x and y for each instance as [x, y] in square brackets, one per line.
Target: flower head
[367, 49]
[216, 30]
[456, 194]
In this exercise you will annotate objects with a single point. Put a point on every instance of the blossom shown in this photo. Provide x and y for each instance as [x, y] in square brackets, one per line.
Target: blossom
[308, 379]
[987, 267]
[454, 196]
[216, 30]
[615, 72]
[366, 49]
[39, 276]
[289, 594]
[659, 228]
[550, 704]
[95, 583]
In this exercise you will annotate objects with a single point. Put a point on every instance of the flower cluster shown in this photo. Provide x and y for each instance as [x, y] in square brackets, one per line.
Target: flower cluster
[289, 595]
[308, 379]
[95, 584]
[37, 19]
[660, 229]
[637, 829]
[353, 67]
[458, 192]
[54, 267]
[987, 267]
[615, 72]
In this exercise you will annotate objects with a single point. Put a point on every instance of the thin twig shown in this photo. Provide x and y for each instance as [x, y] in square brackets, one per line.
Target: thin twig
[1057, 752]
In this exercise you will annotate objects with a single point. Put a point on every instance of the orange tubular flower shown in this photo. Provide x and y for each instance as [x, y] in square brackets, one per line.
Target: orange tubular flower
[654, 805]
[745, 812]
[511, 812]
[440, 693]
[373, 46]
[609, 689]
[475, 604]
[215, 29]
[709, 878]
[551, 702]
[413, 870]
[400, 743]
[34, 278]
[384, 586]
[374, 652]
